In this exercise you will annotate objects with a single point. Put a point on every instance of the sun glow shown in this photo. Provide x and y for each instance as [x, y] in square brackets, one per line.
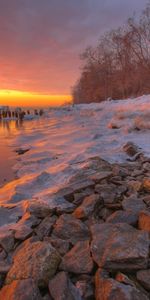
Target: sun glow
[20, 98]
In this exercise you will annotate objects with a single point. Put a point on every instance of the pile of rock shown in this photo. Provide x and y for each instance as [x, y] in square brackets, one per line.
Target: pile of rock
[90, 241]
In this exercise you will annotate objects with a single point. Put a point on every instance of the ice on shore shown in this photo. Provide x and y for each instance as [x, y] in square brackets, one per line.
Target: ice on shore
[62, 142]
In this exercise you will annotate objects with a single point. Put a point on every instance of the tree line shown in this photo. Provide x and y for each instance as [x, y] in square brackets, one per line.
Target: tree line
[119, 66]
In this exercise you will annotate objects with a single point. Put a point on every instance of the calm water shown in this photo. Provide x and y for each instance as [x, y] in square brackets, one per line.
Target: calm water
[8, 155]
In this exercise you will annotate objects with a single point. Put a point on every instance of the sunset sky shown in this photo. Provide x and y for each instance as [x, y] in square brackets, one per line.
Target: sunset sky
[40, 43]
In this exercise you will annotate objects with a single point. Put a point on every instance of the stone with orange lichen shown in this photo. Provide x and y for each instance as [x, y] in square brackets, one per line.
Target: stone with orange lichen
[36, 260]
[87, 207]
[119, 247]
[20, 290]
[146, 184]
[107, 288]
[144, 221]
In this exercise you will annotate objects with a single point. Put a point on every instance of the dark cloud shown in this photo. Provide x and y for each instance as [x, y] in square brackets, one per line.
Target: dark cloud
[40, 40]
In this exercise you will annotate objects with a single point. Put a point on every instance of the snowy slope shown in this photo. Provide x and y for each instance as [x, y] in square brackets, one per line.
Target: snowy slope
[61, 143]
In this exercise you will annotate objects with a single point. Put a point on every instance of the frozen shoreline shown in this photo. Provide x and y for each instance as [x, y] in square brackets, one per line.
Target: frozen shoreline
[62, 142]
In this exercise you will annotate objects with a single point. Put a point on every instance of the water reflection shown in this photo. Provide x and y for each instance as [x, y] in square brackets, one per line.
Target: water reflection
[9, 126]
[8, 129]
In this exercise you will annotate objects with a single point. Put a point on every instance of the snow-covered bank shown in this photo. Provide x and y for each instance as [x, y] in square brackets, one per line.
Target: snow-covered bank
[61, 144]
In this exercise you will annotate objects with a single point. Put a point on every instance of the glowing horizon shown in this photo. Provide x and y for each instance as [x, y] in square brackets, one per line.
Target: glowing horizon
[22, 98]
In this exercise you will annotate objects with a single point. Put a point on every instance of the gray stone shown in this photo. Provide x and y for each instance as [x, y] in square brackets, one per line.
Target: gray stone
[133, 204]
[7, 240]
[78, 260]
[39, 208]
[123, 217]
[143, 276]
[62, 246]
[22, 232]
[61, 288]
[45, 227]
[69, 228]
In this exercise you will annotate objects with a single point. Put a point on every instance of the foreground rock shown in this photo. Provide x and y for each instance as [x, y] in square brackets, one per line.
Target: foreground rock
[107, 288]
[37, 260]
[61, 288]
[78, 260]
[20, 290]
[69, 228]
[119, 247]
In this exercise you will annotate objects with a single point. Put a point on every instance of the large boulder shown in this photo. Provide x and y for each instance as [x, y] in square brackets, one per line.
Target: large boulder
[78, 260]
[69, 228]
[61, 288]
[119, 247]
[36, 260]
[107, 288]
[20, 290]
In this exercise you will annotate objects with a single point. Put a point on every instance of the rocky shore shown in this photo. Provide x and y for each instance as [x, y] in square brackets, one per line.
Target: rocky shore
[90, 241]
